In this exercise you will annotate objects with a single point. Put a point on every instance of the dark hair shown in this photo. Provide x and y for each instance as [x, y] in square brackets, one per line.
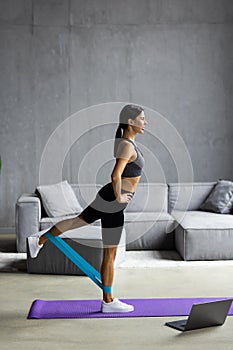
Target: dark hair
[128, 111]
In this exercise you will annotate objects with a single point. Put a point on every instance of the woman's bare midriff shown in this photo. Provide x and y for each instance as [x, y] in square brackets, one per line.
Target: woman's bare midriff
[129, 183]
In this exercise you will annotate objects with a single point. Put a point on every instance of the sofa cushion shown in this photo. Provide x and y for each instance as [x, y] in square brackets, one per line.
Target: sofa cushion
[188, 195]
[149, 197]
[47, 222]
[59, 199]
[204, 235]
[144, 217]
[149, 231]
[199, 220]
[220, 200]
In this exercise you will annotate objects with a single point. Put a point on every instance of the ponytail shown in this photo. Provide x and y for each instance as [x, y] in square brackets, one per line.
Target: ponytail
[117, 138]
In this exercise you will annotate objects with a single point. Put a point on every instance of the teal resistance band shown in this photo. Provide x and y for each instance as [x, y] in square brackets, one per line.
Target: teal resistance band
[79, 261]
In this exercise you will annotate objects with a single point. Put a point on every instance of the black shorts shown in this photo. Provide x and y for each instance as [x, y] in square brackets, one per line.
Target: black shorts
[111, 213]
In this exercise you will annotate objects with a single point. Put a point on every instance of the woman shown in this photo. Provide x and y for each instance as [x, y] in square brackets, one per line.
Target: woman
[111, 200]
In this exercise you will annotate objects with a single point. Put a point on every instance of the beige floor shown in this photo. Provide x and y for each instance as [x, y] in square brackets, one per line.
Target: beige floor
[18, 290]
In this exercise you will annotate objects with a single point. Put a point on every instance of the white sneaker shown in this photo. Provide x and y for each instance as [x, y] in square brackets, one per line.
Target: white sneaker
[116, 306]
[34, 246]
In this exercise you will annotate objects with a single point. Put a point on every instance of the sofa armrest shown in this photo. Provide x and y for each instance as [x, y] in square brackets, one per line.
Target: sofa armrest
[27, 219]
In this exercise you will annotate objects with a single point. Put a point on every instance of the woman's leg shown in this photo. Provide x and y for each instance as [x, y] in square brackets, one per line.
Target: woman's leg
[107, 270]
[36, 243]
[63, 226]
[110, 304]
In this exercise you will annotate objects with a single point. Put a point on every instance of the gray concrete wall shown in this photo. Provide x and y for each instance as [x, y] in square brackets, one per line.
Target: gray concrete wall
[60, 56]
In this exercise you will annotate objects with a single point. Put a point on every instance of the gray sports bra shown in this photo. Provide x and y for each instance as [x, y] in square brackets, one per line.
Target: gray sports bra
[134, 168]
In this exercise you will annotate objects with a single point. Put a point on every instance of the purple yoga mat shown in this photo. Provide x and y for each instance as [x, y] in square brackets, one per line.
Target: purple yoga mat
[91, 308]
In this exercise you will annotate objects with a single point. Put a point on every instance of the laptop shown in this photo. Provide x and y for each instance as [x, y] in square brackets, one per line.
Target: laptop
[204, 315]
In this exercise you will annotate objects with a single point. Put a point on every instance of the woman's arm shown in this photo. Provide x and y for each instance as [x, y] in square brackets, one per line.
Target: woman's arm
[125, 152]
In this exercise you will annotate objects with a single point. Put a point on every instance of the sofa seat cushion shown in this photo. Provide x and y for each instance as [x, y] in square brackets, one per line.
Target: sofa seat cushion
[203, 235]
[147, 216]
[47, 222]
[203, 220]
[149, 230]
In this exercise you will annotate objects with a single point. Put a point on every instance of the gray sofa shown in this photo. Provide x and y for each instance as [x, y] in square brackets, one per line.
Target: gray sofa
[148, 224]
[160, 217]
[199, 235]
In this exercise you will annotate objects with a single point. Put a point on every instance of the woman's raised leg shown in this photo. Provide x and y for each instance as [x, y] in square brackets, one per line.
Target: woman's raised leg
[36, 243]
[63, 226]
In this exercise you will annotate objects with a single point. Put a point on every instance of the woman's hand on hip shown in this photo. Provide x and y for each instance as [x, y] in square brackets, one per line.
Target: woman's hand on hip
[124, 198]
